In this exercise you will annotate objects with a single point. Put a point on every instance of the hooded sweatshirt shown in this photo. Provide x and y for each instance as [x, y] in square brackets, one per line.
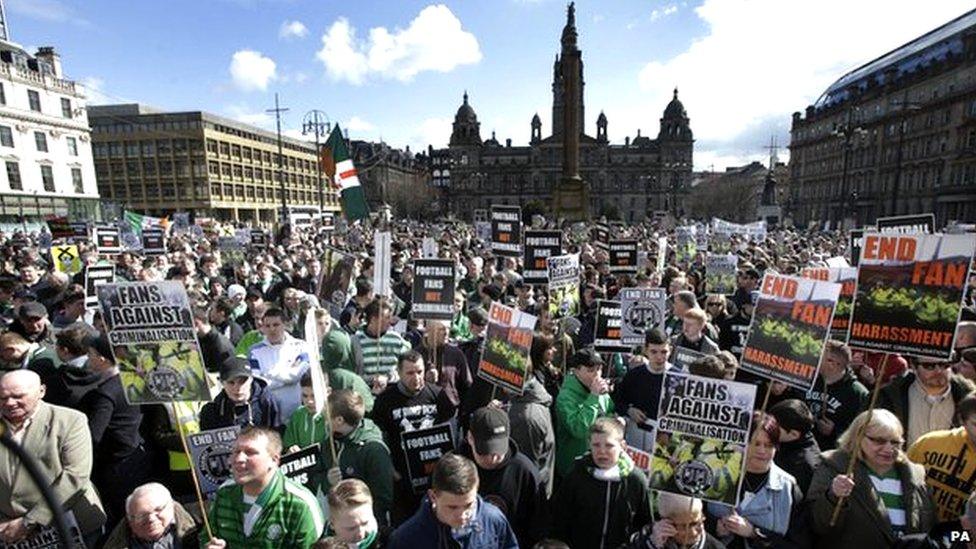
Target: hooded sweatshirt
[363, 455]
[487, 530]
[261, 409]
[70, 385]
[597, 508]
[532, 428]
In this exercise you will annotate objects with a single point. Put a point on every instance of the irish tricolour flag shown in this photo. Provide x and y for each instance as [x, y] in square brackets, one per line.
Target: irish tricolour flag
[350, 191]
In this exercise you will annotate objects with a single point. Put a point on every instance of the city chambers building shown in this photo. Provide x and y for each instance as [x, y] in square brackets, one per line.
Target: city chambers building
[895, 136]
[628, 181]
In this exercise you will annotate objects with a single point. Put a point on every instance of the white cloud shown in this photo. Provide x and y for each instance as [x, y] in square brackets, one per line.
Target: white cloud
[94, 91]
[663, 12]
[431, 131]
[434, 41]
[292, 29]
[243, 113]
[53, 11]
[357, 124]
[757, 62]
[251, 70]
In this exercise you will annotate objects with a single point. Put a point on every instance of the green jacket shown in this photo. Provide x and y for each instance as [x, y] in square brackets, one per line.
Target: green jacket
[576, 411]
[249, 340]
[340, 378]
[303, 429]
[337, 350]
[289, 516]
[363, 455]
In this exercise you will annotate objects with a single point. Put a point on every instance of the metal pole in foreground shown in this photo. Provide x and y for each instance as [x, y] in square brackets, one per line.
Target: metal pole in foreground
[281, 168]
[318, 123]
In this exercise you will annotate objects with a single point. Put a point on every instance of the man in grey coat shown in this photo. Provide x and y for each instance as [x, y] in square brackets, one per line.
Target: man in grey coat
[532, 430]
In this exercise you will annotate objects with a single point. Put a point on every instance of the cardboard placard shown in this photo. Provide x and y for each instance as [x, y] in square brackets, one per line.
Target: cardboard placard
[210, 452]
[422, 449]
[506, 230]
[108, 241]
[95, 276]
[564, 285]
[641, 309]
[847, 278]
[907, 224]
[539, 247]
[720, 271]
[153, 241]
[66, 259]
[301, 466]
[508, 341]
[607, 334]
[433, 289]
[623, 256]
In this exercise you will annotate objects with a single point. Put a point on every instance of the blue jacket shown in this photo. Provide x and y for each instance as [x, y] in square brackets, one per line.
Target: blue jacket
[489, 530]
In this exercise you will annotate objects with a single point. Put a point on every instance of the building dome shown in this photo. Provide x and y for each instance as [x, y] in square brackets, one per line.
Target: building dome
[675, 109]
[465, 113]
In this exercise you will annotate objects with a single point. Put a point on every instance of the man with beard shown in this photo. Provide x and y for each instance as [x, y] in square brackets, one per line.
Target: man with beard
[32, 322]
[262, 508]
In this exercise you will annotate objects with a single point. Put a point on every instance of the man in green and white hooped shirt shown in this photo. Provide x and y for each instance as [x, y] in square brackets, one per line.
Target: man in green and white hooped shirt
[260, 508]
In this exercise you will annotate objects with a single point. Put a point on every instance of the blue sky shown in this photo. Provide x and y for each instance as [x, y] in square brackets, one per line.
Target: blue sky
[396, 70]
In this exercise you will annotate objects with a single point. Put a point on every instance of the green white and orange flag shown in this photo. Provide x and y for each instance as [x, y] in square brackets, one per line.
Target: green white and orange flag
[340, 169]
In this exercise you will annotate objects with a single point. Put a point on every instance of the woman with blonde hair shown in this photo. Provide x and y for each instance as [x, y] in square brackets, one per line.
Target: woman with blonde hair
[884, 499]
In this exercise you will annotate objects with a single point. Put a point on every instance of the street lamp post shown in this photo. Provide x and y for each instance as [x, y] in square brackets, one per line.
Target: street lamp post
[847, 131]
[906, 108]
[316, 122]
[281, 159]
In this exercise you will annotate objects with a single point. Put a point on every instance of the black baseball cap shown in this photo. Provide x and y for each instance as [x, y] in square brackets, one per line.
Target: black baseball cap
[478, 316]
[234, 367]
[490, 428]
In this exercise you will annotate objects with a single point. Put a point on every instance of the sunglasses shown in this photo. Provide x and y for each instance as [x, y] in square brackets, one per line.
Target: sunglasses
[881, 441]
[713, 304]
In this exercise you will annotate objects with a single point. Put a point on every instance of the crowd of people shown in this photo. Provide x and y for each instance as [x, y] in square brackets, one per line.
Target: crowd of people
[545, 467]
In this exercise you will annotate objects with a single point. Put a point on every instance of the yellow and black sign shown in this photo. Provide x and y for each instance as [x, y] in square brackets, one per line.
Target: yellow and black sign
[66, 258]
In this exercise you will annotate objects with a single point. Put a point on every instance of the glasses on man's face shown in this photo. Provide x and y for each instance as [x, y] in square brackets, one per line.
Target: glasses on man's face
[933, 366]
[685, 526]
[143, 518]
[881, 441]
[713, 304]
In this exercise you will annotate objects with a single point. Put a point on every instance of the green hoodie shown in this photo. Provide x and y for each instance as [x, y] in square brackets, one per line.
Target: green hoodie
[363, 455]
[576, 411]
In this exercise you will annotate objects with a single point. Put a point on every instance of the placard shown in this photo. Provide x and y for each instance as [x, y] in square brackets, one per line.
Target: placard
[600, 236]
[423, 448]
[47, 537]
[539, 247]
[508, 341]
[302, 466]
[687, 246]
[641, 309]
[662, 253]
[790, 326]
[847, 278]
[564, 285]
[382, 257]
[95, 276]
[854, 245]
[506, 230]
[150, 329]
[107, 240]
[433, 289]
[429, 248]
[909, 293]
[210, 452]
[720, 271]
[59, 227]
[623, 256]
[682, 358]
[66, 259]
[337, 269]
[79, 231]
[607, 333]
[702, 436]
[907, 224]
[259, 239]
[153, 241]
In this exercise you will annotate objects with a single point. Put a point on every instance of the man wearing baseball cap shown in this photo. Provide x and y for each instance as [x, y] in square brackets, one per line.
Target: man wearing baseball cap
[32, 322]
[508, 478]
[583, 397]
[244, 399]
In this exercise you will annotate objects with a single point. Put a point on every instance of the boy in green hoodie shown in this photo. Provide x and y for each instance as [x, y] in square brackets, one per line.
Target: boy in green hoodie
[305, 428]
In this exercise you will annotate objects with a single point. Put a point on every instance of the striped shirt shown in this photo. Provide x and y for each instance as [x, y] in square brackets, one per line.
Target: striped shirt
[380, 354]
[888, 488]
[286, 514]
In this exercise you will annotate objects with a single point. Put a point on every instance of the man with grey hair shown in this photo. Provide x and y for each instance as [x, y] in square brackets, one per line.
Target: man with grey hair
[153, 520]
[681, 525]
[59, 440]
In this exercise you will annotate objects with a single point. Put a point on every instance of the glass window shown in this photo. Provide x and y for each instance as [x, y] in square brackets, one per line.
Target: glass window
[6, 136]
[3, 95]
[13, 176]
[76, 180]
[72, 146]
[66, 107]
[47, 177]
[40, 139]
[35, 100]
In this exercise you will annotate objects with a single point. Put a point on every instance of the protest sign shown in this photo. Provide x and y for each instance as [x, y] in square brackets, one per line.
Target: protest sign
[909, 293]
[153, 241]
[482, 229]
[508, 340]
[242, 237]
[259, 239]
[433, 289]
[79, 231]
[480, 215]
[210, 453]
[720, 243]
[856, 240]
[107, 240]
[539, 247]
[95, 276]
[682, 358]
[600, 236]
[337, 269]
[150, 329]
[662, 253]
[687, 247]
[302, 466]
[607, 333]
[641, 309]
[847, 278]
[623, 256]
[382, 258]
[564, 285]
[907, 224]
[66, 259]
[429, 248]
[328, 221]
[789, 327]
[506, 230]
[641, 459]
[181, 220]
[422, 449]
[720, 273]
[47, 537]
[702, 435]
[231, 251]
[59, 227]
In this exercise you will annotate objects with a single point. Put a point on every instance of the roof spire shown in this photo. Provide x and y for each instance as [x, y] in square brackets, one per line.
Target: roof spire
[465, 97]
[676, 92]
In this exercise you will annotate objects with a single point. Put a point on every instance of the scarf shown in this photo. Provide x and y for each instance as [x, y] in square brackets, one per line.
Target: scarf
[622, 468]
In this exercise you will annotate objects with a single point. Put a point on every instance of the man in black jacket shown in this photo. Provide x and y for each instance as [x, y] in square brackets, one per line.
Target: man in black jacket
[214, 346]
[798, 453]
[245, 400]
[837, 396]
[508, 479]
